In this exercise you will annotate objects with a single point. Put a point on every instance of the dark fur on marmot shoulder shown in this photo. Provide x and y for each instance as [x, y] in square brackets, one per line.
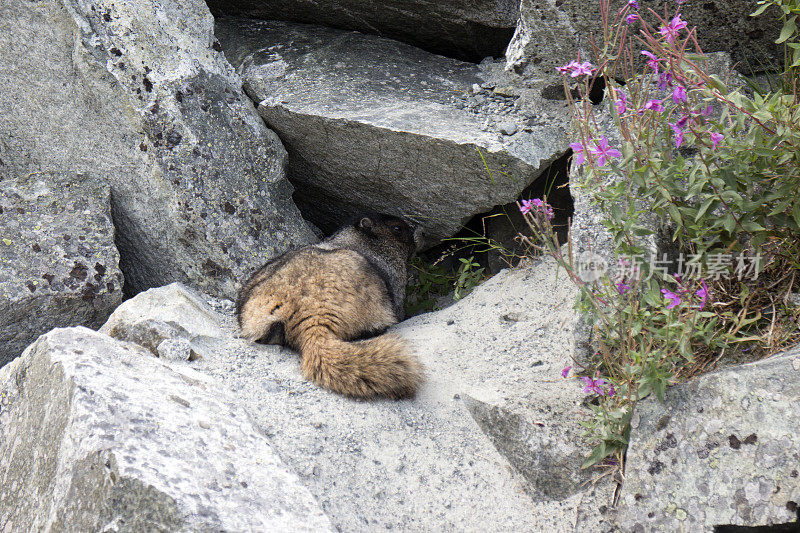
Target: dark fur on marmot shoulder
[320, 299]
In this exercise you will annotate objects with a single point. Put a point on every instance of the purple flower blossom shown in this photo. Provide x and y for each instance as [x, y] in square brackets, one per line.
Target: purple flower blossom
[565, 372]
[675, 300]
[544, 207]
[622, 102]
[671, 30]
[576, 69]
[715, 139]
[654, 105]
[653, 63]
[593, 385]
[664, 80]
[604, 152]
[680, 2]
[631, 18]
[525, 208]
[677, 129]
[622, 287]
[578, 156]
[682, 121]
[707, 111]
[611, 391]
[702, 294]
[633, 3]
[568, 67]
[582, 68]
[679, 94]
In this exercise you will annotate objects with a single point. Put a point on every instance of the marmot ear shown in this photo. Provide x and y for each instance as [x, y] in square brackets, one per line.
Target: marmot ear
[365, 223]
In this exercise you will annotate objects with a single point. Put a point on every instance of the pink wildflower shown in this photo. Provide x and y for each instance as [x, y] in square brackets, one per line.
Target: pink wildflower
[671, 30]
[578, 156]
[677, 129]
[568, 67]
[582, 68]
[622, 287]
[707, 111]
[622, 102]
[633, 3]
[664, 80]
[702, 294]
[715, 139]
[654, 105]
[679, 94]
[674, 299]
[565, 372]
[576, 69]
[593, 385]
[604, 152]
[631, 18]
[544, 207]
[525, 208]
[611, 391]
[653, 63]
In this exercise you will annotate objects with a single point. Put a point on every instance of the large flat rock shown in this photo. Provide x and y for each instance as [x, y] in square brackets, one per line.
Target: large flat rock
[137, 94]
[466, 29]
[722, 449]
[373, 123]
[99, 435]
[491, 441]
[550, 34]
[58, 263]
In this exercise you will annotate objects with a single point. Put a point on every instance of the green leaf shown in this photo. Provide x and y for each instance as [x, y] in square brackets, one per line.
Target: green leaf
[752, 226]
[796, 212]
[729, 223]
[760, 10]
[789, 29]
[598, 454]
[704, 208]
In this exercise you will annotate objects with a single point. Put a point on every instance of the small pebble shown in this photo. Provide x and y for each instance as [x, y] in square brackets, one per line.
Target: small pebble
[508, 127]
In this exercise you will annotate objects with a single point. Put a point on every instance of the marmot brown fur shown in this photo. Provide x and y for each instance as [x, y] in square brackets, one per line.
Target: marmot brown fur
[321, 299]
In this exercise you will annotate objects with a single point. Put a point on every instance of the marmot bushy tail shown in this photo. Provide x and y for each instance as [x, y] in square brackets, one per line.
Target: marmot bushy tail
[321, 299]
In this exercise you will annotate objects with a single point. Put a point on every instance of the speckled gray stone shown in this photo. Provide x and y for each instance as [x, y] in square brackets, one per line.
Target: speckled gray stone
[58, 263]
[492, 437]
[552, 33]
[99, 435]
[722, 449]
[377, 124]
[139, 94]
[466, 29]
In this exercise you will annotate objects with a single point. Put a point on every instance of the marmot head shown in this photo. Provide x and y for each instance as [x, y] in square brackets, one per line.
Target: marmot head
[388, 232]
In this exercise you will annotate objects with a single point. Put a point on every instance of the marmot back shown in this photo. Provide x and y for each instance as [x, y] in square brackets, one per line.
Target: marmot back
[321, 298]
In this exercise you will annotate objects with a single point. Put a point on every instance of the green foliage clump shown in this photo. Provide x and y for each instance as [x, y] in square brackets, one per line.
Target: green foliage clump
[711, 168]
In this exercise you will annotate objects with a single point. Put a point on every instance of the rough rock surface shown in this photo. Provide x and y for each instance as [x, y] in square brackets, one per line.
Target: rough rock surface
[492, 438]
[552, 33]
[374, 123]
[139, 94]
[58, 263]
[98, 435]
[466, 29]
[722, 449]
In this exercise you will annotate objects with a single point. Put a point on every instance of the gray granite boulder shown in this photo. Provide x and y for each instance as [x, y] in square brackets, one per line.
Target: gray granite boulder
[492, 437]
[98, 435]
[465, 29]
[58, 263]
[723, 449]
[550, 34]
[377, 124]
[140, 95]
